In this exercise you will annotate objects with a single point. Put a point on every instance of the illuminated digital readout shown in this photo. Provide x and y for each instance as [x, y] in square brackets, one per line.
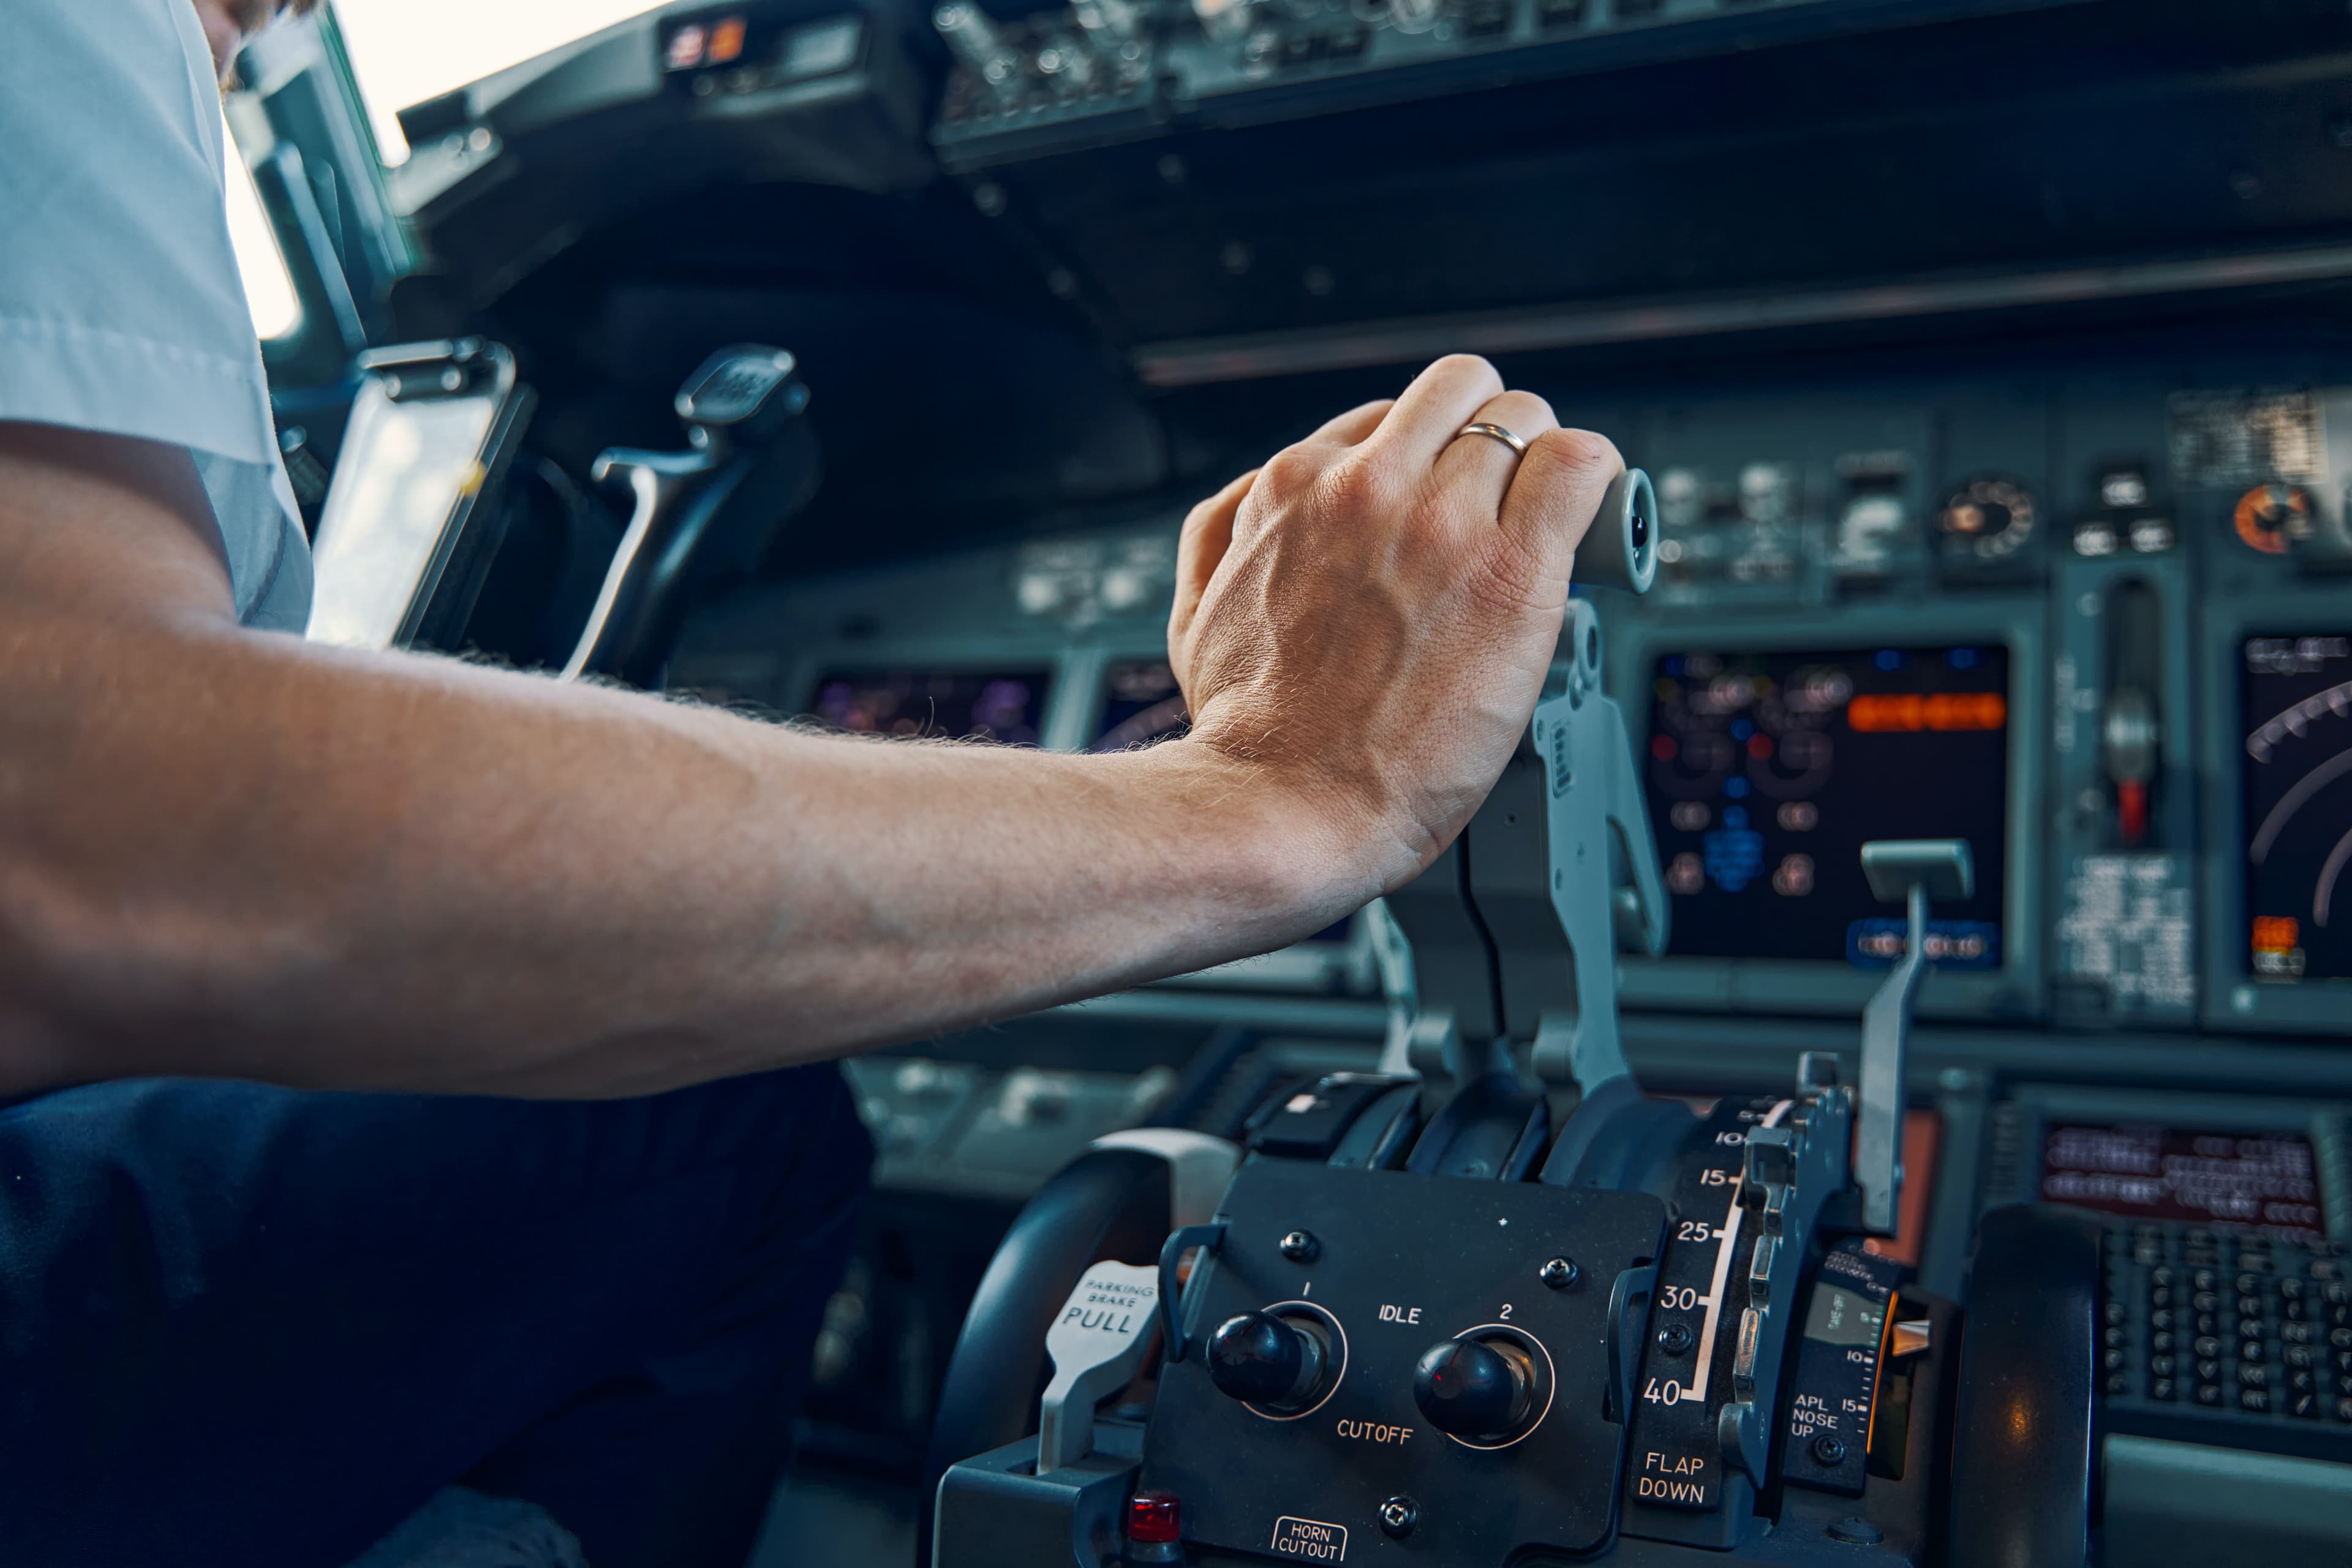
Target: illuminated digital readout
[1007, 708]
[2295, 694]
[717, 42]
[2247, 1181]
[1142, 704]
[1767, 772]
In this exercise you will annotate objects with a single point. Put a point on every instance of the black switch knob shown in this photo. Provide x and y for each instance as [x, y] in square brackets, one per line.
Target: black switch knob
[1264, 1359]
[1477, 1389]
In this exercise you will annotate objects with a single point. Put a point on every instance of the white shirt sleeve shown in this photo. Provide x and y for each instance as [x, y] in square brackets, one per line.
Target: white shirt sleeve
[121, 305]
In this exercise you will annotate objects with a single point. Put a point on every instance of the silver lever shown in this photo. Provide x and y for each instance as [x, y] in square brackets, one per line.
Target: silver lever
[1597, 825]
[1910, 871]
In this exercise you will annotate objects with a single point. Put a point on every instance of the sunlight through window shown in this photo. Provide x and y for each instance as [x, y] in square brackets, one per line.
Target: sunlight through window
[269, 288]
[406, 51]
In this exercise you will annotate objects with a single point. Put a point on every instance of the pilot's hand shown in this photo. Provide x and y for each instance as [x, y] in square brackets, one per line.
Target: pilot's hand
[1367, 620]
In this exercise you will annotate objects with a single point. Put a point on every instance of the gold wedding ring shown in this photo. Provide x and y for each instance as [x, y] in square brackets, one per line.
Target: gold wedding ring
[1484, 428]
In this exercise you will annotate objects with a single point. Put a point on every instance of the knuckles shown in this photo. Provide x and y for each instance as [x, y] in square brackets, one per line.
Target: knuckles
[1355, 487]
[1466, 367]
[1292, 471]
[1522, 414]
[1577, 454]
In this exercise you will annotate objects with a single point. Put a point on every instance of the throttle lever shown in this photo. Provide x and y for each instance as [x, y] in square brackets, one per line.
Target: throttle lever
[752, 462]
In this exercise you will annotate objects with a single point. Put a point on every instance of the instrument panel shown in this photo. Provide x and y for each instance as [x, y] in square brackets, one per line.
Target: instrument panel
[2088, 607]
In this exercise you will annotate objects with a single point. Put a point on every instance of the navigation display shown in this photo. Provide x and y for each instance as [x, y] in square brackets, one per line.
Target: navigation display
[1767, 772]
[2229, 1181]
[1007, 707]
[1141, 705]
[2296, 697]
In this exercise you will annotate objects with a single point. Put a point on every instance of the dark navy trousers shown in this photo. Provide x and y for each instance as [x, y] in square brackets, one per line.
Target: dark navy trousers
[252, 1326]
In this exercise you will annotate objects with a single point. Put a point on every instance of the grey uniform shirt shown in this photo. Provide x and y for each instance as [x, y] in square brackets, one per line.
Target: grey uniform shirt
[121, 306]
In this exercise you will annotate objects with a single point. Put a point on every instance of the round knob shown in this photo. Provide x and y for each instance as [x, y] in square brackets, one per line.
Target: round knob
[1477, 1389]
[1264, 1359]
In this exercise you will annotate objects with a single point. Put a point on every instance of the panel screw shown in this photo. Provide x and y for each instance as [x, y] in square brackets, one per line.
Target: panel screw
[1398, 1517]
[1301, 1247]
[1828, 1451]
[1674, 1338]
[1560, 1273]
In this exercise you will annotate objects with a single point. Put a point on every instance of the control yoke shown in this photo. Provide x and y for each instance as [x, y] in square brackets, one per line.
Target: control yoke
[1910, 871]
[702, 513]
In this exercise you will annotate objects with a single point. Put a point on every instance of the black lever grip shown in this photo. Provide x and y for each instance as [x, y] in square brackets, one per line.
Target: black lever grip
[1258, 1358]
[1473, 1390]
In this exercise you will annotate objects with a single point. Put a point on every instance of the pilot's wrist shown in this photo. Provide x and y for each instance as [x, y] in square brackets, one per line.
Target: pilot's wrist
[1286, 849]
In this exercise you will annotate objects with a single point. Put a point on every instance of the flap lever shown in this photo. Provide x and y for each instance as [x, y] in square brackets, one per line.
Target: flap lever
[1910, 871]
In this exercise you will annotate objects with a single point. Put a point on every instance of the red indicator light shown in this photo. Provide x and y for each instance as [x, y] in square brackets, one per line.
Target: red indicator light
[726, 41]
[1759, 747]
[2276, 933]
[1663, 747]
[1154, 1518]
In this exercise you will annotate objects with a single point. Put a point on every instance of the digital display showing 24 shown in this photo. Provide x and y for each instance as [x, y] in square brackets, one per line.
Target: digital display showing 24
[1767, 772]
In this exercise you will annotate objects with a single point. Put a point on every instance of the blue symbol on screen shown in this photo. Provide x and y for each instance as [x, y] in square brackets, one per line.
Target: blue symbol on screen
[1961, 658]
[1735, 815]
[1741, 728]
[1733, 857]
[1887, 659]
[1735, 788]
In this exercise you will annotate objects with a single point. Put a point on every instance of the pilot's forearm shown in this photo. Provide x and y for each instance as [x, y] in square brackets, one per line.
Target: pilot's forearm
[229, 852]
[233, 853]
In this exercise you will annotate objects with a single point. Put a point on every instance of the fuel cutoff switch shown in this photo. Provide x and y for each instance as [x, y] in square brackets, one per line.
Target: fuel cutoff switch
[1479, 1390]
[1275, 1365]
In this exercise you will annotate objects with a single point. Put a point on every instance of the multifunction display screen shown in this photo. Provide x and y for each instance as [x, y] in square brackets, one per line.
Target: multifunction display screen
[2251, 1182]
[1006, 707]
[1767, 772]
[2295, 694]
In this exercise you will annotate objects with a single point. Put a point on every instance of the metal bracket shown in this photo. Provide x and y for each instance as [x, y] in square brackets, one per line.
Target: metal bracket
[1181, 1241]
[1626, 1328]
